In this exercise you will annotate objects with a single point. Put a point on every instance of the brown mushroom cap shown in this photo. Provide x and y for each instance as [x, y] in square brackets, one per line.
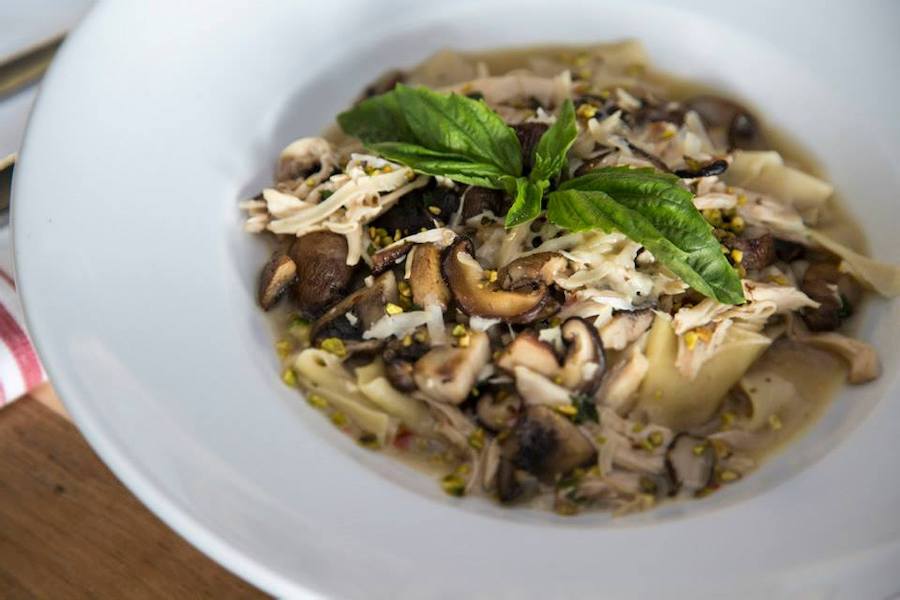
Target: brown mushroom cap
[585, 361]
[366, 304]
[426, 279]
[835, 292]
[547, 444]
[498, 410]
[448, 374]
[477, 200]
[477, 297]
[398, 362]
[322, 270]
[387, 258]
[542, 266]
[276, 276]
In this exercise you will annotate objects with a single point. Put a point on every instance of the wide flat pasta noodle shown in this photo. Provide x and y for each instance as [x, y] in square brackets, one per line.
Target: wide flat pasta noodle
[878, 276]
[669, 398]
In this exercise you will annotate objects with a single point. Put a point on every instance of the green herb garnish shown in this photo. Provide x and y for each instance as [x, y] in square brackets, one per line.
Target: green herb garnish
[462, 139]
[652, 209]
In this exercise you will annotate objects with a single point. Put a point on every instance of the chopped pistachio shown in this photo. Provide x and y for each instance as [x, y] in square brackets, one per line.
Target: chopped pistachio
[491, 275]
[403, 289]
[775, 422]
[656, 438]
[638, 427]
[727, 419]
[317, 401]
[476, 439]
[283, 347]
[737, 224]
[338, 418]
[435, 210]
[393, 309]
[737, 255]
[699, 449]
[407, 341]
[586, 111]
[289, 377]
[453, 485]
[387, 169]
[310, 182]
[421, 336]
[690, 339]
[334, 346]
[465, 340]
[741, 199]
[458, 330]
[600, 439]
[570, 410]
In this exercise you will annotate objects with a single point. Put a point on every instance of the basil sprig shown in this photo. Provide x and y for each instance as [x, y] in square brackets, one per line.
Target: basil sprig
[652, 209]
[464, 140]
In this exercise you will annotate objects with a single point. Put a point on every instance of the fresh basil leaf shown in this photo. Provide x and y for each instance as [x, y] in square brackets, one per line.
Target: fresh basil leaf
[377, 119]
[527, 203]
[653, 210]
[552, 148]
[457, 168]
[459, 125]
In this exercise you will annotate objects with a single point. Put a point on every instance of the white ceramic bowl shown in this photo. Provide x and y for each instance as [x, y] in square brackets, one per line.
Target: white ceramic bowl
[138, 285]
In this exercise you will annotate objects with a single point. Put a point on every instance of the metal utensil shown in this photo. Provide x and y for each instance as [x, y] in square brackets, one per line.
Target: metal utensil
[27, 66]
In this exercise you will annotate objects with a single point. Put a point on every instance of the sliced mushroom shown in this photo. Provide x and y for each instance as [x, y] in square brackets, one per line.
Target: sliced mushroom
[367, 305]
[448, 374]
[423, 208]
[399, 356]
[387, 258]
[498, 410]
[789, 251]
[322, 270]
[690, 462]
[514, 484]
[547, 444]
[833, 290]
[625, 327]
[585, 361]
[478, 297]
[542, 266]
[426, 279]
[279, 273]
[529, 135]
[708, 169]
[478, 200]
[528, 351]
[739, 125]
[756, 253]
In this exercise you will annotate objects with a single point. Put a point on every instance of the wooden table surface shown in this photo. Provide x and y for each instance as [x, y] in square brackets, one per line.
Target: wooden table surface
[69, 529]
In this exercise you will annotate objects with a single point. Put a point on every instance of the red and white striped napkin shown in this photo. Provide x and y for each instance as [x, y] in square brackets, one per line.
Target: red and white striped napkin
[20, 369]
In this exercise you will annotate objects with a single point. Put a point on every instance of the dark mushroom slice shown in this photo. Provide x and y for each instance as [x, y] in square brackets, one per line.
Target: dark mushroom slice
[477, 200]
[448, 373]
[585, 361]
[529, 135]
[279, 273]
[625, 327]
[366, 304]
[541, 266]
[426, 279]
[478, 297]
[399, 356]
[528, 351]
[499, 409]
[756, 253]
[547, 444]
[388, 257]
[741, 128]
[835, 292]
[322, 270]
[708, 169]
[690, 462]
[424, 208]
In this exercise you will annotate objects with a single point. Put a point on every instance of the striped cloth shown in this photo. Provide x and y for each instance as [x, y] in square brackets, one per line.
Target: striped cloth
[20, 369]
